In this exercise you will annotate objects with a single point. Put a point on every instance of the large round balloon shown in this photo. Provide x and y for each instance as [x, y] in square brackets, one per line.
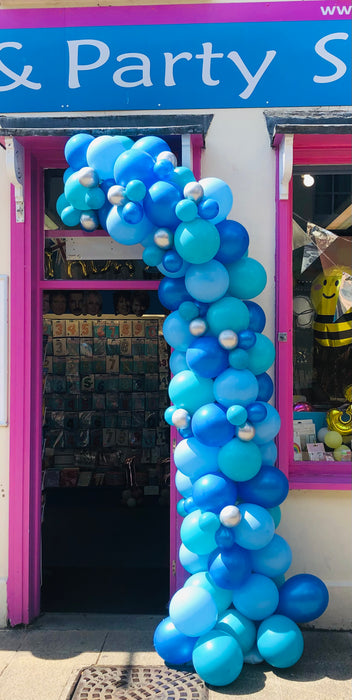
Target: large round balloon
[103, 151]
[266, 387]
[206, 357]
[207, 282]
[274, 559]
[134, 164]
[127, 234]
[176, 332]
[217, 189]
[266, 430]
[257, 318]
[210, 425]
[188, 390]
[193, 611]
[177, 362]
[256, 527]
[247, 278]
[217, 658]
[195, 459]
[160, 203]
[257, 598]
[234, 241]
[230, 567]
[153, 145]
[303, 598]
[198, 532]
[239, 460]
[197, 241]
[76, 150]
[262, 355]
[172, 292]
[269, 453]
[172, 645]
[235, 386]
[268, 488]
[280, 641]
[241, 627]
[214, 492]
[227, 314]
[221, 597]
[183, 484]
[193, 563]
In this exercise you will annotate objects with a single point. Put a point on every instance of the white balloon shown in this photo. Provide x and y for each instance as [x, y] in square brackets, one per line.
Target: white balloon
[230, 516]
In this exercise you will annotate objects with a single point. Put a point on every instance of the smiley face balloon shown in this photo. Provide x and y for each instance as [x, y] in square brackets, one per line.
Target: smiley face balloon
[325, 291]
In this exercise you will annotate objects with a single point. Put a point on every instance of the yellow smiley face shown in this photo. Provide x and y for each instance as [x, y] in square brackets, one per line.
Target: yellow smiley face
[325, 291]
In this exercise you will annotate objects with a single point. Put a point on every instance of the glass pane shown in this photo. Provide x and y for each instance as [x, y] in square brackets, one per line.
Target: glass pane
[322, 316]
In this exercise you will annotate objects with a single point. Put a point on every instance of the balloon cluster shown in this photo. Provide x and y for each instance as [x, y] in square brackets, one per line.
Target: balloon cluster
[236, 606]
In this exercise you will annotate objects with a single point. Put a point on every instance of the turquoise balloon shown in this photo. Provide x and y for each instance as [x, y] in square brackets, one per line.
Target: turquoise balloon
[239, 460]
[207, 282]
[181, 508]
[75, 193]
[239, 626]
[95, 197]
[256, 527]
[236, 415]
[275, 513]
[70, 216]
[267, 429]
[188, 390]
[238, 358]
[181, 176]
[195, 459]
[247, 278]
[274, 559]
[186, 210]
[191, 562]
[103, 152]
[197, 241]
[61, 203]
[217, 658]
[176, 332]
[257, 598]
[235, 386]
[122, 232]
[168, 413]
[221, 596]
[194, 538]
[227, 314]
[217, 189]
[193, 611]
[262, 355]
[280, 641]
[152, 255]
[135, 190]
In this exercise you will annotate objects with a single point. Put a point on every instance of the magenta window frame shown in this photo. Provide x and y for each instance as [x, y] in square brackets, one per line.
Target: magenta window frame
[308, 150]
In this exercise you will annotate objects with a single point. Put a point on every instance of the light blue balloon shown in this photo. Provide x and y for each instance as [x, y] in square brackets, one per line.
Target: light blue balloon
[227, 314]
[194, 538]
[207, 282]
[134, 165]
[177, 362]
[221, 596]
[217, 658]
[274, 559]
[193, 563]
[180, 507]
[257, 598]
[235, 386]
[188, 390]
[193, 611]
[76, 150]
[239, 626]
[195, 459]
[176, 332]
[169, 412]
[266, 430]
[256, 527]
[183, 484]
[124, 233]
[269, 453]
[280, 641]
[197, 241]
[68, 172]
[152, 144]
[239, 460]
[103, 152]
[247, 278]
[262, 355]
[217, 189]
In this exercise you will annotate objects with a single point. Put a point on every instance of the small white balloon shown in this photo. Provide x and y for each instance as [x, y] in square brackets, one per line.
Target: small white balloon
[168, 155]
[246, 432]
[198, 327]
[88, 177]
[181, 418]
[228, 339]
[116, 195]
[321, 434]
[89, 221]
[164, 238]
[193, 190]
[230, 516]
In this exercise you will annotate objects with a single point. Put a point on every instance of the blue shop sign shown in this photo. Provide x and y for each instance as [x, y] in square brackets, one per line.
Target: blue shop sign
[175, 66]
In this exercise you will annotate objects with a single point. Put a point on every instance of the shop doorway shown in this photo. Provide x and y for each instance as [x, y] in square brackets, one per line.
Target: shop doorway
[106, 449]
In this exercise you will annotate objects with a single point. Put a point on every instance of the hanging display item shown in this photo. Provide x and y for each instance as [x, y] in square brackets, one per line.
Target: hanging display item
[236, 606]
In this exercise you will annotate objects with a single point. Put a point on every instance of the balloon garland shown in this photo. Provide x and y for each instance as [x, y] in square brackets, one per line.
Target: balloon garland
[236, 606]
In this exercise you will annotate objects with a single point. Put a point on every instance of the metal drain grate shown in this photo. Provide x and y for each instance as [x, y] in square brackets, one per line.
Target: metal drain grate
[137, 683]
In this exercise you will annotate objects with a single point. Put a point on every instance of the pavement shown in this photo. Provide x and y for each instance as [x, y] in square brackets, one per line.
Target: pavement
[41, 661]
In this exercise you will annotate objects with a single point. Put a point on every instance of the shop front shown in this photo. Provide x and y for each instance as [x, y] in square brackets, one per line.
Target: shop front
[87, 456]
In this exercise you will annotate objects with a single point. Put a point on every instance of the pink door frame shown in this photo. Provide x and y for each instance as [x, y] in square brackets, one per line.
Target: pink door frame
[27, 285]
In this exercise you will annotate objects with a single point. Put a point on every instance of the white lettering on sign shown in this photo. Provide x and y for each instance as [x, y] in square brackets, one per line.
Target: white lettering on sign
[17, 79]
[170, 61]
[252, 80]
[75, 67]
[206, 57]
[327, 56]
[144, 68]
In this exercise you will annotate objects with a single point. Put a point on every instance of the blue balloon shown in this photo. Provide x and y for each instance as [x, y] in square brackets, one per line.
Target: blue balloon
[241, 627]
[262, 355]
[256, 412]
[76, 150]
[183, 484]
[266, 430]
[269, 453]
[172, 261]
[239, 460]
[227, 314]
[173, 646]
[177, 362]
[103, 151]
[234, 241]
[193, 611]
[175, 275]
[210, 425]
[160, 202]
[268, 488]
[235, 386]
[153, 145]
[207, 282]
[163, 169]
[189, 505]
[274, 559]
[246, 341]
[62, 202]
[224, 538]
[122, 232]
[208, 208]
[303, 598]
[132, 213]
[257, 598]
[193, 563]
[217, 658]
[217, 189]
[134, 164]
[230, 567]
[266, 387]
[195, 459]
[214, 492]
[280, 641]
[197, 241]
[176, 332]
[206, 357]
[188, 390]
[172, 292]
[180, 507]
[256, 527]
[257, 318]
[221, 597]
[247, 278]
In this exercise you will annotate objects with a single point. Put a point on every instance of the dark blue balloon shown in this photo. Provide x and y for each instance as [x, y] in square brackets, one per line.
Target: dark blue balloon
[172, 261]
[173, 646]
[246, 339]
[268, 488]
[208, 208]
[231, 567]
[266, 387]
[185, 432]
[210, 425]
[189, 504]
[257, 319]
[303, 598]
[160, 202]
[256, 412]
[172, 292]
[234, 241]
[206, 357]
[224, 537]
[214, 492]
